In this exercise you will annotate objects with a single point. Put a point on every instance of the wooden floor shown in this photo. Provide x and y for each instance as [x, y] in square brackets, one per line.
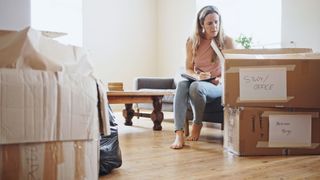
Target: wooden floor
[146, 155]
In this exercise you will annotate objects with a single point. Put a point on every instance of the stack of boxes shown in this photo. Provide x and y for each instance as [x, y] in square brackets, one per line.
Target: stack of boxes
[272, 102]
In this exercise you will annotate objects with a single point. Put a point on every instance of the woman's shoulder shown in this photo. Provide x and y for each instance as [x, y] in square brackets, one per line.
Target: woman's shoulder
[228, 42]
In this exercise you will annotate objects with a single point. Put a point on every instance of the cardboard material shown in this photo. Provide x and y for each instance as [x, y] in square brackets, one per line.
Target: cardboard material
[32, 49]
[53, 160]
[246, 131]
[268, 51]
[39, 106]
[302, 79]
[49, 124]
[48, 91]
[18, 50]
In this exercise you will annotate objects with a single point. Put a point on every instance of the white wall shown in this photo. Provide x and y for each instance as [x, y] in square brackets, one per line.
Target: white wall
[251, 18]
[175, 23]
[59, 16]
[14, 14]
[121, 37]
[301, 24]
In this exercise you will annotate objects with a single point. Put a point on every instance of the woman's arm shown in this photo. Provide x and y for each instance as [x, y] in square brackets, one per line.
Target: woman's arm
[189, 58]
[229, 43]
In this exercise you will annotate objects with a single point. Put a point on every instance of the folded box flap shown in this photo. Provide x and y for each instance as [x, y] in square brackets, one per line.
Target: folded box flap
[31, 49]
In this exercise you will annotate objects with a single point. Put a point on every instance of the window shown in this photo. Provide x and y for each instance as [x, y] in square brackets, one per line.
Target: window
[259, 19]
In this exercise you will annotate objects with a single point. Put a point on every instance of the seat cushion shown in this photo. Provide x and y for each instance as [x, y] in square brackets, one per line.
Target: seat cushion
[166, 98]
[214, 106]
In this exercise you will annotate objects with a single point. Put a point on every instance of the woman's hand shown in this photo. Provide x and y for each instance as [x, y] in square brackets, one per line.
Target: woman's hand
[215, 81]
[204, 75]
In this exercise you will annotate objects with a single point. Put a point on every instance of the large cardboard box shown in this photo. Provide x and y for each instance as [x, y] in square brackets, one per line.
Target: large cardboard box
[49, 124]
[72, 160]
[271, 131]
[272, 80]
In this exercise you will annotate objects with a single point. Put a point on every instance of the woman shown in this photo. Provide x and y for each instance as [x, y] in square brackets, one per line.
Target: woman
[201, 59]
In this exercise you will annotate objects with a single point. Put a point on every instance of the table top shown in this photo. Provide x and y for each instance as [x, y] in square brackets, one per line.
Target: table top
[137, 93]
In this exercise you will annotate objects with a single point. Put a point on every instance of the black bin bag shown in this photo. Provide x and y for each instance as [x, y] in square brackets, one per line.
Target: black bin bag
[110, 153]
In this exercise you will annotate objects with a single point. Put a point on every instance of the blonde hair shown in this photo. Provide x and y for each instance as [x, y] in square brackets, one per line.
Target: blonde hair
[199, 22]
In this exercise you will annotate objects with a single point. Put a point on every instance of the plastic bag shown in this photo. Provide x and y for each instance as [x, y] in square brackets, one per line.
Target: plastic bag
[110, 152]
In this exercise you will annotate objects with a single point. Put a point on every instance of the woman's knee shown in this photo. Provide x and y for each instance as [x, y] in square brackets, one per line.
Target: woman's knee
[183, 85]
[195, 89]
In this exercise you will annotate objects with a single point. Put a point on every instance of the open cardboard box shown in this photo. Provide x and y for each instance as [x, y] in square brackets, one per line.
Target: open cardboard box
[49, 125]
[272, 80]
[48, 91]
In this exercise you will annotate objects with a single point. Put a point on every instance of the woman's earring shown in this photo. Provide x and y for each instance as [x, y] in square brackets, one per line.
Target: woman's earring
[203, 30]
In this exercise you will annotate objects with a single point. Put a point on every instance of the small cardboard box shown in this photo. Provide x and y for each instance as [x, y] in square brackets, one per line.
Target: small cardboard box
[52, 160]
[271, 131]
[272, 80]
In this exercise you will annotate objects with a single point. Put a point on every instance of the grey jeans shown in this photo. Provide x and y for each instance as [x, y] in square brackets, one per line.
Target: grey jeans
[198, 93]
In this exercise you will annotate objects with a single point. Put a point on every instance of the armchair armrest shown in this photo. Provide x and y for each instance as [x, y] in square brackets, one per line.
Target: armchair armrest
[153, 83]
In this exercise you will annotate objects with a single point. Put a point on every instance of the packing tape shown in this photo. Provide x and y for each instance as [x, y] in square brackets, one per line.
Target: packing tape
[265, 100]
[268, 113]
[290, 67]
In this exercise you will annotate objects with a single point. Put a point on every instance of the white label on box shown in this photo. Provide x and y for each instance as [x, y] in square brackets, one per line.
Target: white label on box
[263, 83]
[290, 130]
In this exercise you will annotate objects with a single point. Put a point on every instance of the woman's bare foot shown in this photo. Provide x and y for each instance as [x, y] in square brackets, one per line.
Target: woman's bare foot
[195, 132]
[179, 141]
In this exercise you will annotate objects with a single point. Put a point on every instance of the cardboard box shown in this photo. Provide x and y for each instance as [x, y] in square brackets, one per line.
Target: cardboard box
[51, 160]
[57, 100]
[247, 131]
[272, 80]
[49, 125]
[40, 106]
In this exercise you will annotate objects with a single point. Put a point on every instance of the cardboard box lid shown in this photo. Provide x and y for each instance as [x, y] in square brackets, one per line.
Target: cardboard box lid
[268, 51]
[299, 56]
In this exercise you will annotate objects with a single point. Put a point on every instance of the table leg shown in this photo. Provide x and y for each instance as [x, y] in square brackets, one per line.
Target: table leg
[157, 115]
[128, 114]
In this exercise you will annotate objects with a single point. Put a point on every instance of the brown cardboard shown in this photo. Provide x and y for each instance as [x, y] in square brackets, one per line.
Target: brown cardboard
[268, 51]
[302, 76]
[246, 131]
[40, 106]
[52, 160]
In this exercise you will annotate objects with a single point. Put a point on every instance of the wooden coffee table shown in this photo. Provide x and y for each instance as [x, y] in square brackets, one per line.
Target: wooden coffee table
[130, 97]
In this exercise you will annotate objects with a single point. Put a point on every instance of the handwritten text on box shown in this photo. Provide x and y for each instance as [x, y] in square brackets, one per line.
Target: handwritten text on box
[290, 129]
[263, 83]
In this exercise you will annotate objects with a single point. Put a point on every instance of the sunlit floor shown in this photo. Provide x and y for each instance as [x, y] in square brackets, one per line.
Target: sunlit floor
[146, 155]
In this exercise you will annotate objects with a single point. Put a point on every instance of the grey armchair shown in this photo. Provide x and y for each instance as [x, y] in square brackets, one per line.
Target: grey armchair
[213, 111]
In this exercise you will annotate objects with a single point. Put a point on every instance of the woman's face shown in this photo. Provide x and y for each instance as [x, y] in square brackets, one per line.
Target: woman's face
[211, 25]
